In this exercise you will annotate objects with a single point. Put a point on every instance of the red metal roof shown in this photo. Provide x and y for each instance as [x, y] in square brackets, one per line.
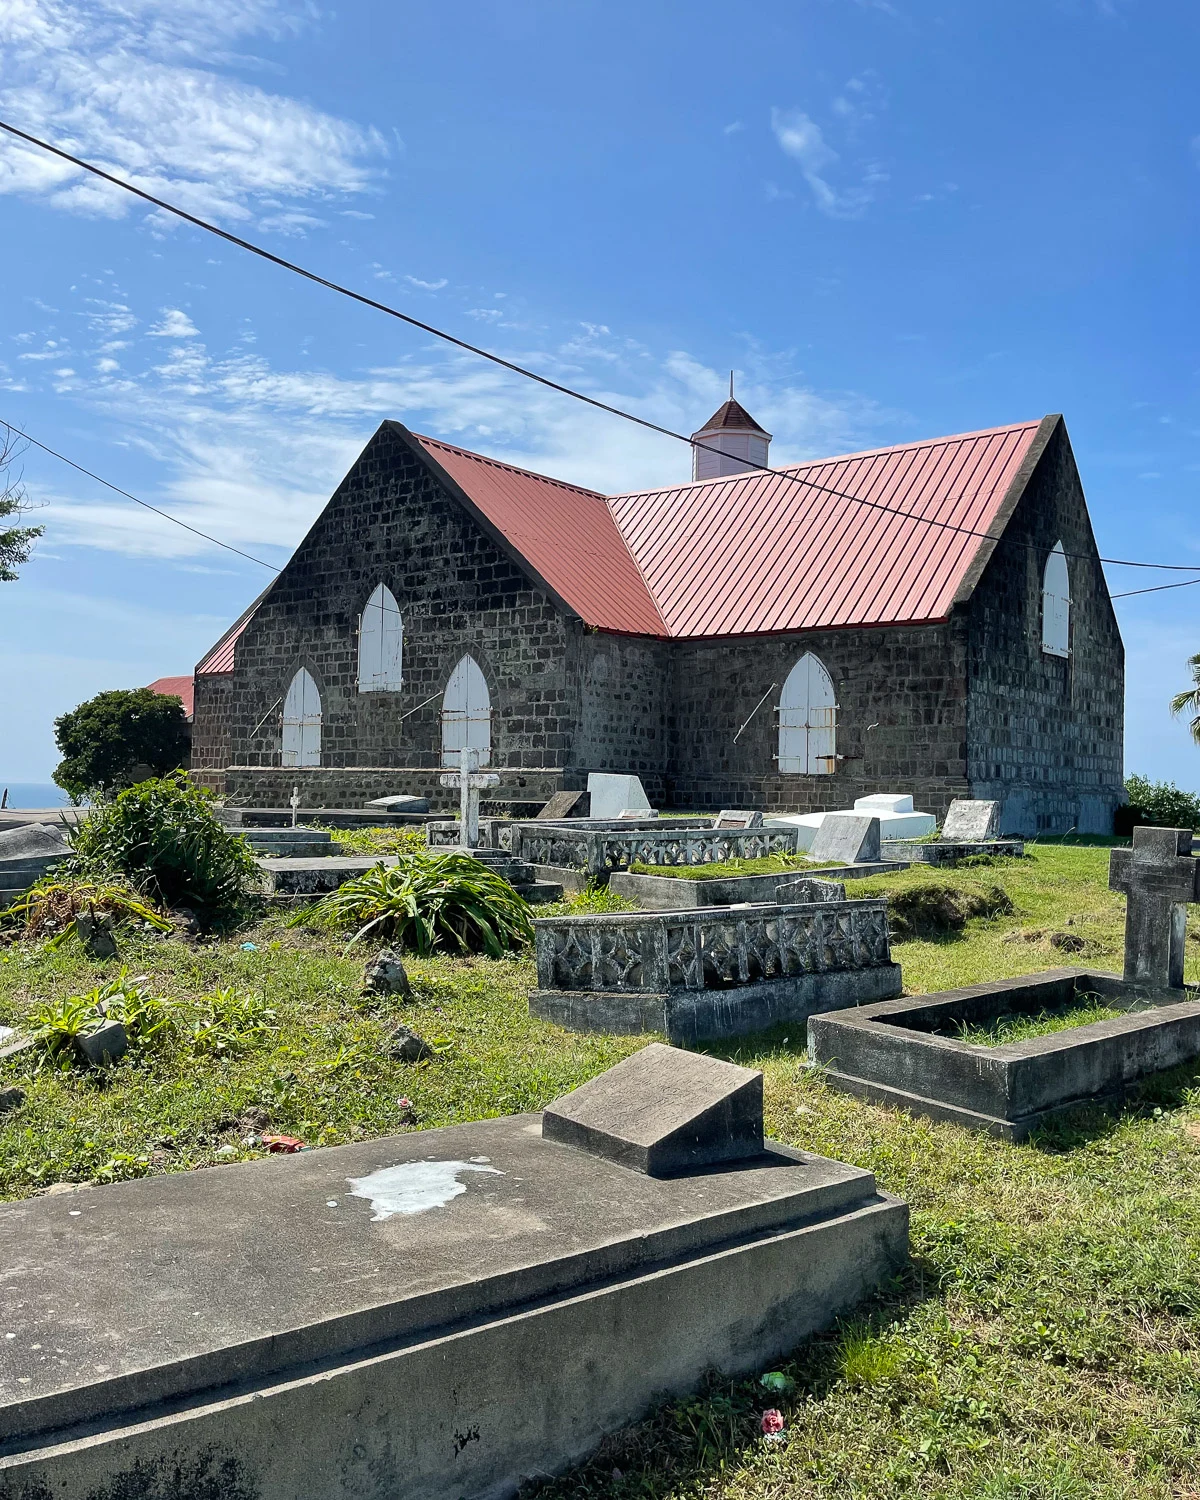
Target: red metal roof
[178, 687]
[759, 552]
[221, 658]
[566, 534]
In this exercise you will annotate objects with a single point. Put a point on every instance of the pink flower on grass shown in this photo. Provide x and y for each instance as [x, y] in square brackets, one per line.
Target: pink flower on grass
[772, 1422]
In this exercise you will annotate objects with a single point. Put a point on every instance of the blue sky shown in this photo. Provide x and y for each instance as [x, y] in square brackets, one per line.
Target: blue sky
[895, 220]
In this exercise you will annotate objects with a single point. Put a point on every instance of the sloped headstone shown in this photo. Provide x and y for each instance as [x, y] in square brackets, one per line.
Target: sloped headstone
[663, 1111]
[971, 822]
[614, 796]
[31, 840]
[852, 838]
[565, 805]
[733, 817]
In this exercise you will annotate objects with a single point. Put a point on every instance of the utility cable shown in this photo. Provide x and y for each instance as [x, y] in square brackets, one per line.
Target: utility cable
[528, 374]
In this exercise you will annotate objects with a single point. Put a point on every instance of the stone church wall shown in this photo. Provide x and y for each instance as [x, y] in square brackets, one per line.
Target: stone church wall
[901, 718]
[1046, 735]
[391, 521]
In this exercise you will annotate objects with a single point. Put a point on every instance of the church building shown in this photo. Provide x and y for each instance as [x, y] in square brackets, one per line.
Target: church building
[931, 618]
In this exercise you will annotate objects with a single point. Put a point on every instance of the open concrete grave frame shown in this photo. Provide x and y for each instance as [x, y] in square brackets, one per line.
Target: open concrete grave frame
[440, 1315]
[904, 1052]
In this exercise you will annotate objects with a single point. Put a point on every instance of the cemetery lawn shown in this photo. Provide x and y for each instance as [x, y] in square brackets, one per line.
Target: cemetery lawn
[1043, 1344]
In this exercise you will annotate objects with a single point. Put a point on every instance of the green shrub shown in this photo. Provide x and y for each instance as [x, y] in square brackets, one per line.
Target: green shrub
[164, 838]
[934, 909]
[425, 902]
[1160, 803]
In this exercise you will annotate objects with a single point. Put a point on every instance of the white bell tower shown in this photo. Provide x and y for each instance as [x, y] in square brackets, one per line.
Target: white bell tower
[743, 444]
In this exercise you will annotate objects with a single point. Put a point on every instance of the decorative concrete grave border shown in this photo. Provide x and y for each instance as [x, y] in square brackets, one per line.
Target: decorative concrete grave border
[496, 1297]
[717, 972]
[904, 1052]
[600, 851]
[677, 893]
[904, 852]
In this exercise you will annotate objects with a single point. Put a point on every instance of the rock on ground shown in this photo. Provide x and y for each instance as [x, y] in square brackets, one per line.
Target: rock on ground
[386, 975]
[408, 1046]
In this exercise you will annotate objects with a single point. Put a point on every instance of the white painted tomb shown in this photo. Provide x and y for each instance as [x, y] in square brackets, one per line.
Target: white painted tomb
[617, 796]
[897, 818]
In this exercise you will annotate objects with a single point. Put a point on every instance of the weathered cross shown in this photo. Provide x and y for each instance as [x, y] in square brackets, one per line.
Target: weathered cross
[1159, 876]
[470, 781]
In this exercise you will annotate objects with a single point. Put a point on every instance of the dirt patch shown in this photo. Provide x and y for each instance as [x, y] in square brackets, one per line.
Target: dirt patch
[938, 910]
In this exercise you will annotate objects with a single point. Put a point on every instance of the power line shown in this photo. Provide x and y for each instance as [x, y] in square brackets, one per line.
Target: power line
[145, 504]
[1158, 588]
[529, 374]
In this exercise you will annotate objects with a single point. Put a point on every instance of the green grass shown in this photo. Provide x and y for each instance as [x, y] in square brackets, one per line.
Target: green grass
[1014, 1027]
[1043, 1344]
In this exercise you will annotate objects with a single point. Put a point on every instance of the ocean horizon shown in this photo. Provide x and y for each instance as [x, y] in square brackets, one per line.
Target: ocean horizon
[24, 794]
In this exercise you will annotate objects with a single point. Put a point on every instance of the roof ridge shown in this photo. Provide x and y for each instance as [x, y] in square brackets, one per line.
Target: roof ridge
[499, 463]
[788, 470]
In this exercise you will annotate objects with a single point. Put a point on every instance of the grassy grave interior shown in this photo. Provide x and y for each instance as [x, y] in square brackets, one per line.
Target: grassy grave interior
[1044, 1343]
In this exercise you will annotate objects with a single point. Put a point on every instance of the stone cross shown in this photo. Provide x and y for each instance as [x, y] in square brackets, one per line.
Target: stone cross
[1159, 876]
[470, 781]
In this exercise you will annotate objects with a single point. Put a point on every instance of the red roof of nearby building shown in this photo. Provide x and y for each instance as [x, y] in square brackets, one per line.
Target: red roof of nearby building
[178, 687]
[566, 534]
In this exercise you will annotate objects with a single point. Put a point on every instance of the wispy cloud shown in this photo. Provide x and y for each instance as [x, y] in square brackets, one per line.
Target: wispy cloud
[174, 324]
[427, 286]
[131, 85]
[802, 138]
[251, 452]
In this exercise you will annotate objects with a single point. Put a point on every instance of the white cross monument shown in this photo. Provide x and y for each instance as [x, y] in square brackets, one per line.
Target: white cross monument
[470, 781]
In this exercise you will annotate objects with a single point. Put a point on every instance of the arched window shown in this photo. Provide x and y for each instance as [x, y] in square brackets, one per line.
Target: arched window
[302, 722]
[1056, 604]
[466, 714]
[807, 720]
[381, 644]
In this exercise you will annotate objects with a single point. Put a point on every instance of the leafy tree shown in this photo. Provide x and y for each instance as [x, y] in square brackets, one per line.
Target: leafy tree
[16, 542]
[1189, 702]
[1160, 803]
[106, 739]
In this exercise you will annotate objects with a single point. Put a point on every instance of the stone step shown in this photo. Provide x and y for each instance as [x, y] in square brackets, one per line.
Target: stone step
[298, 843]
[540, 892]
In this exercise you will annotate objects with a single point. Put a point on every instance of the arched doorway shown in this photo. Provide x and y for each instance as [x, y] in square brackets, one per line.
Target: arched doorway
[808, 720]
[466, 713]
[302, 722]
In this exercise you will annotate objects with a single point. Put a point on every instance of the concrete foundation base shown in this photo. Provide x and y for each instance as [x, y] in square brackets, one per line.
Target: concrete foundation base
[438, 1316]
[686, 1017]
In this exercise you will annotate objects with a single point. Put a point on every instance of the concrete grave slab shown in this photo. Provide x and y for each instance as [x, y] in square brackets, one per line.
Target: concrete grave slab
[614, 796]
[436, 1315]
[400, 803]
[852, 838]
[673, 893]
[970, 821]
[31, 840]
[663, 1111]
[905, 1052]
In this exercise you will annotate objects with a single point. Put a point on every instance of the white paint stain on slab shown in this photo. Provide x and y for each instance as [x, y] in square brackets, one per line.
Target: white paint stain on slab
[413, 1187]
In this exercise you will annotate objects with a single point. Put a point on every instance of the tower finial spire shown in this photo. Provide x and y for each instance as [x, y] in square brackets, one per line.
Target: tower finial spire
[731, 385]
